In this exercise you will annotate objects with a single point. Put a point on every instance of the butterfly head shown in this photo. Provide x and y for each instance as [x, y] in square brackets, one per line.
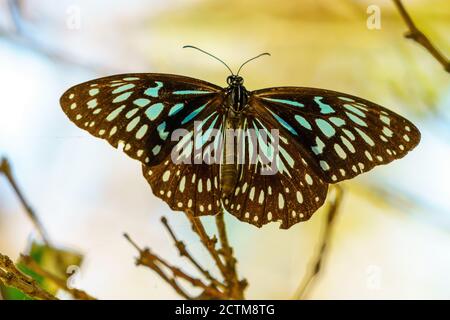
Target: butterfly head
[235, 81]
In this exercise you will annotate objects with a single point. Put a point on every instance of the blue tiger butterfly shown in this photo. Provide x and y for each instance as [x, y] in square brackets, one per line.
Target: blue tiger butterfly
[323, 137]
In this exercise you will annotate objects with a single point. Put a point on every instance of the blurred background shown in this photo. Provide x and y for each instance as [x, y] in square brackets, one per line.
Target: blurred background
[391, 239]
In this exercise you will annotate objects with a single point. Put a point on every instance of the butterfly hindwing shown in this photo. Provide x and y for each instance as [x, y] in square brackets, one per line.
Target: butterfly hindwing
[276, 180]
[346, 135]
[139, 111]
[189, 179]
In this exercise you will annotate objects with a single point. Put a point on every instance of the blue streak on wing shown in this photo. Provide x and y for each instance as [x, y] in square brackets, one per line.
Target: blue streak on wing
[284, 124]
[175, 109]
[180, 92]
[289, 102]
[193, 114]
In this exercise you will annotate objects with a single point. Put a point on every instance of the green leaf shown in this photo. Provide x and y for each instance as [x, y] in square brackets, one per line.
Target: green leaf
[53, 260]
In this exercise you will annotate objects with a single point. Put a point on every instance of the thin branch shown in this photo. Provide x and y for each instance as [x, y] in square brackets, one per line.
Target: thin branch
[215, 289]
[23, 36]
[150, 264]
[180, 245]
[14, 7]
[418, 36]
[313, 274]
[61, 283]
[155, 263]
[12, 277]
[208, 243]
[236, 287]
[5, 168]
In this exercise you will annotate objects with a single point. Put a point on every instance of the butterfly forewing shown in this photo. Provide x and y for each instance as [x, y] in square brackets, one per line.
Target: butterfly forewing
[345, 135]
[139, 111]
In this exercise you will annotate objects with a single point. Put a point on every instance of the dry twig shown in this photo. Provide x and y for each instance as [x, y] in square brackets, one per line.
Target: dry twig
[418, 36]
[211, 287]
[61, 283]
[314, 272]
[12, 277]
[19, 280]
[157, 264]
[5, 168]
[208, 243]
[185, 253]
[231, 277]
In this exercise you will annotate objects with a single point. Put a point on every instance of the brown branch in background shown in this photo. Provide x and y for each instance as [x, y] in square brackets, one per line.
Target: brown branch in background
[5, 168]
[24, 33]
[12, 277]
[61, 283]
[415, 34]
[231, 277]
[157, 264]
[211, 287]
[185, 253]
[314, 272]
[208, 243]
[147, 259]
[227, 268]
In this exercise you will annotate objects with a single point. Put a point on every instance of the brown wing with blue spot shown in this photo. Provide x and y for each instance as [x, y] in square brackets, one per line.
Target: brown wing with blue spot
[277, 181]
[140, 111]
[346, 135]
[189, 178]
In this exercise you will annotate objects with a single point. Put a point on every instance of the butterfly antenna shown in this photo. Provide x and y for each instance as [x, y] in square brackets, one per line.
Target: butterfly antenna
[260, 55]
[209, 54]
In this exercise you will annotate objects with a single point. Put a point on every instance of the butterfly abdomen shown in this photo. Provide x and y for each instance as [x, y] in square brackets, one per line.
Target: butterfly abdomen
[229, 171]
[228, 179]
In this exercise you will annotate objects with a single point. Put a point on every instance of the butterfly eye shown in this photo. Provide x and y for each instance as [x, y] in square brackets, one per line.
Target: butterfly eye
[235, 80]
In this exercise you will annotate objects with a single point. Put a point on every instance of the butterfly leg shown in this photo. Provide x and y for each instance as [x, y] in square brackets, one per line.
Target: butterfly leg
[317, 262]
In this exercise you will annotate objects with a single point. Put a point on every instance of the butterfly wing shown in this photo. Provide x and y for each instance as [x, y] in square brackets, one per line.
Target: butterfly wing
[189, 179]
[140, 111]
[345, 135]
[273, 184]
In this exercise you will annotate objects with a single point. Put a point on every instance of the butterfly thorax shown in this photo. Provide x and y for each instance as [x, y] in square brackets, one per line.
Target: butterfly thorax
[237, 95]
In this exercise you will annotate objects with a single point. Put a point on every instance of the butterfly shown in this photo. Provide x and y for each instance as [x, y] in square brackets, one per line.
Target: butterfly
[321, 137]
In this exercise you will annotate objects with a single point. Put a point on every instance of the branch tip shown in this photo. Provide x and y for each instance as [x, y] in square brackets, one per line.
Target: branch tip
[131, 241]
